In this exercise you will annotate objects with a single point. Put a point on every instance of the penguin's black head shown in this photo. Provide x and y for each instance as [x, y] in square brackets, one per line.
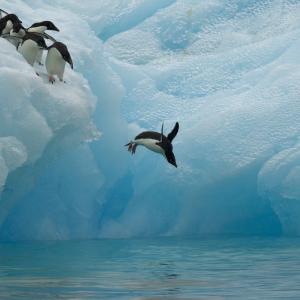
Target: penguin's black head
[51, 26]
[171, 158]
[14, 18]
[48, 24]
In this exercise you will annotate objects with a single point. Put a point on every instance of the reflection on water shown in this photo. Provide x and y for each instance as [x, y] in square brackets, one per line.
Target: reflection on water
[250, 268]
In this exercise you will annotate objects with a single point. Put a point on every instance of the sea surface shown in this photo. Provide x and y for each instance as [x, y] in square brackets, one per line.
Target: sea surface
[231, 268]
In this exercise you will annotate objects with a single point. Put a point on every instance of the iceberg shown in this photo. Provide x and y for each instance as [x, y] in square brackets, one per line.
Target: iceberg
[228, 72]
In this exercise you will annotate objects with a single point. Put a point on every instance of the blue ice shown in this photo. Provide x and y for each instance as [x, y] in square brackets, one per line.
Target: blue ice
[227, 71]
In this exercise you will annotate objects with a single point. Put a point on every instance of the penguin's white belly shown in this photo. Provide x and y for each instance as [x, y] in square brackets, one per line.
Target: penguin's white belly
[150, 144]
[8, 27]
[55, 64]
[29, 50]
[39, 56]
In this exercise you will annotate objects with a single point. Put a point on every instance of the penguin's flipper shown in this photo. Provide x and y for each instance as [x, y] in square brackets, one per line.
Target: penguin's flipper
[49, 37]
[173, 133]
[46, 36]
[162, 132]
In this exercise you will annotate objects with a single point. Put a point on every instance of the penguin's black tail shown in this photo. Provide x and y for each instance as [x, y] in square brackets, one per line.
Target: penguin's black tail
[131, 147]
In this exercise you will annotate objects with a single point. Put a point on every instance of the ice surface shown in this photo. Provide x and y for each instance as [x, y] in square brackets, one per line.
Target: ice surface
[228, 71]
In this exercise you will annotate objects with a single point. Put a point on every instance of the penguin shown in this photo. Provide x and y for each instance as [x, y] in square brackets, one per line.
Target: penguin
[30, 45]
[7, 23]
[40, 28]
[156, 142]
[56, 59]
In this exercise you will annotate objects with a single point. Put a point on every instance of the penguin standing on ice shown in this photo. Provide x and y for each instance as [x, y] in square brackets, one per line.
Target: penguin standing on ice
[7, 23]
[56, 59]
[40, 28]
[156, 142]
[30, 46]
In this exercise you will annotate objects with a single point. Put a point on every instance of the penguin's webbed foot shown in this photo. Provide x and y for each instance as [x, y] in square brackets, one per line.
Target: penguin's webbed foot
[51, 79]
[131, 147]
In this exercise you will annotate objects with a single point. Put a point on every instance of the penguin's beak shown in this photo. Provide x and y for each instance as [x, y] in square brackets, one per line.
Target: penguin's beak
[55, 28]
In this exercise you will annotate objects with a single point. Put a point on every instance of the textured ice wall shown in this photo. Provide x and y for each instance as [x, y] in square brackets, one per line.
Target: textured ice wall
[227, 71]
[39, 123]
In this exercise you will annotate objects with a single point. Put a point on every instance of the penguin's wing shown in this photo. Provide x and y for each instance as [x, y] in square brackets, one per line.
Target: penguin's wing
[46, 36]
[49, 37]
[162, 132]
[173, 133]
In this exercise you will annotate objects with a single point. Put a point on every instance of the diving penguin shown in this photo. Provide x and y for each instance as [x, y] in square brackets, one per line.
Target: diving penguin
[30, 46]
[56, 59]
[156, 142]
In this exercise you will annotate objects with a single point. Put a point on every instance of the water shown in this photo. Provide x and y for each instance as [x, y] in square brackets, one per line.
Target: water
[247, 268]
